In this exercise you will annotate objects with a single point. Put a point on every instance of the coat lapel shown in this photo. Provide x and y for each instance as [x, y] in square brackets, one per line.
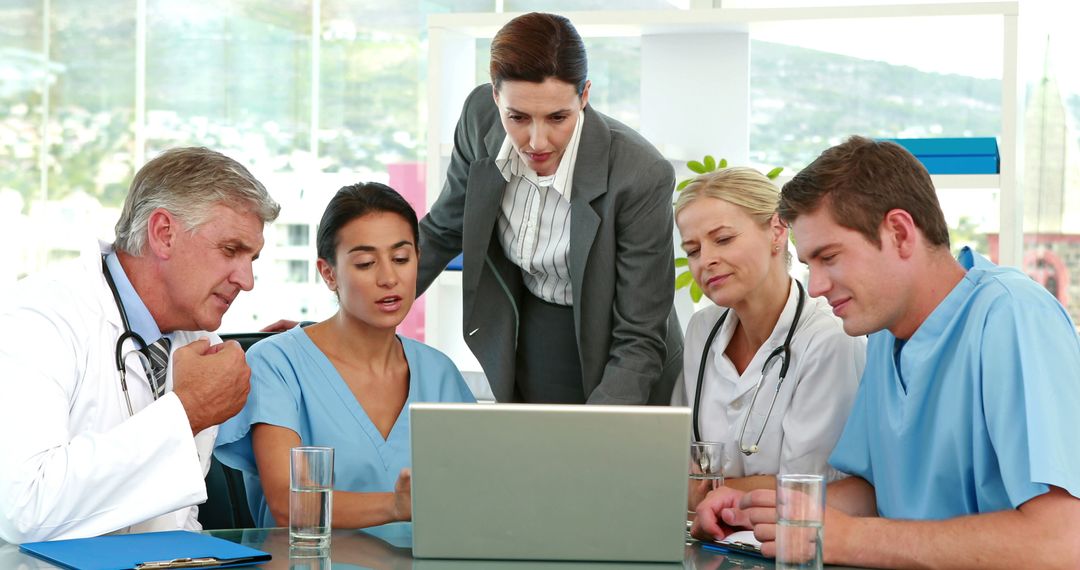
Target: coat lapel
[482, 200]
[590, 182]
[109, 308]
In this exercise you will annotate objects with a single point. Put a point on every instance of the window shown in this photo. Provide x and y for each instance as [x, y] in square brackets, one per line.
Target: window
[312, 95]
[294, 235]
[298, 271]
[66, 109]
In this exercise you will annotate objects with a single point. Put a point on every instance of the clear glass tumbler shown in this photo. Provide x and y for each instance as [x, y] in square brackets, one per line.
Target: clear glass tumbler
[311, 484]
[706, 471]
[800, 521]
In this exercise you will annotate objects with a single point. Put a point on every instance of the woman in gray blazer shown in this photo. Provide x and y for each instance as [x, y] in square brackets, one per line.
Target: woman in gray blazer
[564, 217]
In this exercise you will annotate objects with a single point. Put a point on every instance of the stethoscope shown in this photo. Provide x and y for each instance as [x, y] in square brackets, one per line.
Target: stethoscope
[783, 352]
[127, 334]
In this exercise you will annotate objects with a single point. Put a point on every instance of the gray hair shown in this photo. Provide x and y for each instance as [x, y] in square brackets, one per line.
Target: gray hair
[188, 182]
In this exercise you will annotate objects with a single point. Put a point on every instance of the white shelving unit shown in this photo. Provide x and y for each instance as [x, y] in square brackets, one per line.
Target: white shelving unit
[941, 181]
[675, 46]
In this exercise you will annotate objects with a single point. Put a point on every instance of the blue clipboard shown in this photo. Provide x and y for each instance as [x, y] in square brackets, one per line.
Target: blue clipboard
[146, 551]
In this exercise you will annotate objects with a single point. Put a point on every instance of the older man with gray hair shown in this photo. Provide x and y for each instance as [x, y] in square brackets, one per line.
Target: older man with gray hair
[112, 389]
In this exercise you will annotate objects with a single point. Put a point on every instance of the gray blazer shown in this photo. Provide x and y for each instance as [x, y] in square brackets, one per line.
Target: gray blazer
[621, 257]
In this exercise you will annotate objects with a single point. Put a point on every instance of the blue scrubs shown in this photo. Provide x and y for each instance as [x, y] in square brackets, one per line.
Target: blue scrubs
[978, 411]
[294, 385]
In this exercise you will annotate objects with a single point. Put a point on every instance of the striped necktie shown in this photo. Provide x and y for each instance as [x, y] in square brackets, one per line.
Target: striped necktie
[158, 353]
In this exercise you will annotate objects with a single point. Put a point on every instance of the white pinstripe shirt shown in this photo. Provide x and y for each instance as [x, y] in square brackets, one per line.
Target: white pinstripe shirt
[534, 220]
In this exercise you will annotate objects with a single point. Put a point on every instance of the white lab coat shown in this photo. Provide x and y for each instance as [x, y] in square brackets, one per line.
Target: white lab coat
[74, 463]
[814, 400]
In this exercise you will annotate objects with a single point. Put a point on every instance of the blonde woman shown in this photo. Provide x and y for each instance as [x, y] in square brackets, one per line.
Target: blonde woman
[762, 327]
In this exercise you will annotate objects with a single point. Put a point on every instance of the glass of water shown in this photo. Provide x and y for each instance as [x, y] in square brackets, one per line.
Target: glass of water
[706, 471]
[311, 484]
[800, 521]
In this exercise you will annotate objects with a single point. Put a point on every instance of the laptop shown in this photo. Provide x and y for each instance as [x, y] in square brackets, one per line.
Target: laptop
[549, 482]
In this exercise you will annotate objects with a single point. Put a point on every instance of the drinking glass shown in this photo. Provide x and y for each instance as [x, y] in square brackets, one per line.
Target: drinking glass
[310, 559]
[800, 521]
[311, 483]
[706, 471]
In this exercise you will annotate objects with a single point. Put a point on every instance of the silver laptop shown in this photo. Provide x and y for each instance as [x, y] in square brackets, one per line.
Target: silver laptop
[549, 482]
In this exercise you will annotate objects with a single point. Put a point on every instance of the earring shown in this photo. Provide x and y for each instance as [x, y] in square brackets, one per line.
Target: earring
[776, 249]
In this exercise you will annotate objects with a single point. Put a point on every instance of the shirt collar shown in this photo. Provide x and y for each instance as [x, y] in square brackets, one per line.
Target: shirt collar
[938, 319]
[969, 259]
[139, 318]
[510, 163]
[787, 316]
[783, 323]
[779, 332]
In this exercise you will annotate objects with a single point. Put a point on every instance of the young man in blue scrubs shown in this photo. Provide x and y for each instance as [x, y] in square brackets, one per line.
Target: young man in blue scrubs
[961, 442]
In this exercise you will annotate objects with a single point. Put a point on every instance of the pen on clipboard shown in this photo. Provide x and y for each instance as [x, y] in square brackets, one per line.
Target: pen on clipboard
[734, 547]
[179, 563]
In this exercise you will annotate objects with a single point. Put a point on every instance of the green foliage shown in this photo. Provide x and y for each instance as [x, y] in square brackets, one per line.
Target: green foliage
[238, 79]
[704, 166]
[710, 164]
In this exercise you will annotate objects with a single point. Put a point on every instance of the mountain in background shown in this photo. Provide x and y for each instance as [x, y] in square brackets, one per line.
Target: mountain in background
[803, 101]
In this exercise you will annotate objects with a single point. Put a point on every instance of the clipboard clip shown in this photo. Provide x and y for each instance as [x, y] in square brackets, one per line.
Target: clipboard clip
[178, 563]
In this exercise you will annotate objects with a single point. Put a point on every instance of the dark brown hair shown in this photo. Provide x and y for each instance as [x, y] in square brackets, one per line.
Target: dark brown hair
[355, 201]
[861, 180]
[536, 46]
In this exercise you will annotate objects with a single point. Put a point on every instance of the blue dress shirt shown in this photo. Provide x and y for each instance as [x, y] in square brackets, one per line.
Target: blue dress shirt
[139, 318]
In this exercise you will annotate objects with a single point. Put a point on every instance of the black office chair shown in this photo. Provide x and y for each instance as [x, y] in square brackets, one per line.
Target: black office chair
[246, 339]
[226, 505]
[249, 338]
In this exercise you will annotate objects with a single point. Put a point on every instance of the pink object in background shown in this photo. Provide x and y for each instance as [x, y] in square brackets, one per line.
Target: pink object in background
[408, 179]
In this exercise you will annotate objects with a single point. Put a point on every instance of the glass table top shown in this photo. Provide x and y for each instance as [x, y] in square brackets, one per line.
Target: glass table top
[390, 547]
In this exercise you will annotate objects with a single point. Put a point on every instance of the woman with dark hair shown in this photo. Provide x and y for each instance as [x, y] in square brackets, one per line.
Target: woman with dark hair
[564, 218]
[345, 382]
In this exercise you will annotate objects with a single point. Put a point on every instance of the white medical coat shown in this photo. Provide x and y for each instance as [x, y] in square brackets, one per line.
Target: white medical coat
[814, 400]
[74, 463]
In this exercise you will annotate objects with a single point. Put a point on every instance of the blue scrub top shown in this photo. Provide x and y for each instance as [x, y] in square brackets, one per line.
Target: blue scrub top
[979, 411]
[294, 385]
